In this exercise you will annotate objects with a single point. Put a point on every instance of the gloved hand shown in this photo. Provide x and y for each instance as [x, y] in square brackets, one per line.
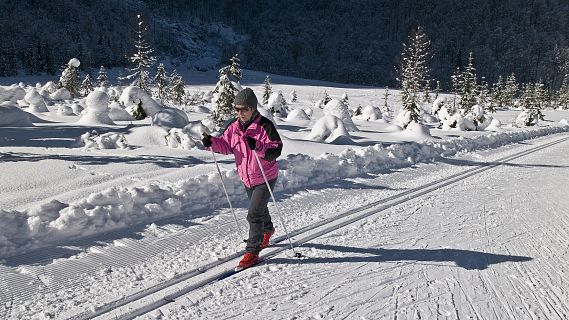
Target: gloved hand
[206, 140]
[251, 142]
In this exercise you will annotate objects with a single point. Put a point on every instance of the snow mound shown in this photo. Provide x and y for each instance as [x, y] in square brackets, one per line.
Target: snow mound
[97, 100]
[109, 140]
[132, 96]
[147, 136]
[35, 101]
[13, 116]
[117, 113]
[277, 104]
[297, 114]
[328, 129]
[77, 108]
[169, 118]
[339, 109]
[60, 95]
[495, 125]
[12, 93]
[187, 137]
[416, 132]
[50, 87]
[394, 128]
[65, 110]
[564, 122]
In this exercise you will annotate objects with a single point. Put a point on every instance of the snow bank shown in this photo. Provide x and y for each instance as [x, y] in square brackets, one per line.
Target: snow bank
[119, 207]
[13, 116]
[12, 93]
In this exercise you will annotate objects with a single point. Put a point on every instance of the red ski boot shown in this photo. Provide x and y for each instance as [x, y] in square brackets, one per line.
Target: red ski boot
[248, 260]
[266, 237]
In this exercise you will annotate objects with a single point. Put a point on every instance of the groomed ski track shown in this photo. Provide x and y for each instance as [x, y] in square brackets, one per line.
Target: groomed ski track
[167, 292]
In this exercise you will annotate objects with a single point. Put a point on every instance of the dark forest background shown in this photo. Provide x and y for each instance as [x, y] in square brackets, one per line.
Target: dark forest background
[337, 40]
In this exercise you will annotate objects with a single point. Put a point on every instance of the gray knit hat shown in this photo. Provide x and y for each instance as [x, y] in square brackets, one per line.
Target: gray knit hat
[246, 97]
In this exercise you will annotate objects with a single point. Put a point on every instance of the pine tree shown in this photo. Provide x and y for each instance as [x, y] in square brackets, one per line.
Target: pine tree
[563, 93]
[267, 90]
[497, 98]
[510, 90]
[484, 95]
[345, 100]
[386, 110]
[528, 103]
[102, 78]
[235, 69]
[427, 92]
[139, 112]
[438, 90]
[161, 81]
[224, 95]
[326, 97]
[70, 77]
[413, 72]
[86, 85]
[468, 88]
[142, 59]
[176, 88]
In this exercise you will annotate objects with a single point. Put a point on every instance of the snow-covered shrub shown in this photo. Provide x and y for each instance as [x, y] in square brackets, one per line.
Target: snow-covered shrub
[50, 87]
[110, 140]
[77, 108]
[417, 132]
[277, 104]
[308, 111]
[337, 108]
[527, 118]
[369, 113]
[170, 118]
[97, 112]
[13, 116]
[328, 129]
[564, 122]
[188, 137]
[319, 104]
[297, 114]
[35, 101]
[131, 97]
[495, 125]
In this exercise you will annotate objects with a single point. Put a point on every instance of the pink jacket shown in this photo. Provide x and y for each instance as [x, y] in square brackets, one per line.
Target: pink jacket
[268, 148]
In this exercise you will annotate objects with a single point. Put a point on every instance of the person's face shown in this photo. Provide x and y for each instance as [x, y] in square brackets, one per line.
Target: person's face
[244, 112]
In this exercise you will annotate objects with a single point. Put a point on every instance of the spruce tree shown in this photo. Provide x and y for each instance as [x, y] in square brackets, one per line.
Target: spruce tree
[468, 88]
[70, 77]
[484, 95]
[235, 69]
[497, 98]
[563, 93]
[139, 113]
[161, 82]
[86, 85]
[438, 90]
[326, 97]
[267, 91]
[386, 110]
[176, 88]
[510, 90]
[102, 78]
[224, 95]
[427, 92]
[293, 96]
[413, 72]
[142, 59]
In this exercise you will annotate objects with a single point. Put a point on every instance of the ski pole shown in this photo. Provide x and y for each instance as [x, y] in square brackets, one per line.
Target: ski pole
[226, 194]
[296, 254]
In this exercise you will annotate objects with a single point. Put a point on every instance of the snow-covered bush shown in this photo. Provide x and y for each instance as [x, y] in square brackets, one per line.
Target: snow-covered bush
[13, 116]
[97, 112]
[337, 108]
[416, 132]
[495, 125]
[369, 113]
[109, 140]
[308, 111]
[328, 129]
[277, 104]
[527, 118]
[131, 97]
[77, 108]
[35, 101]
[60, 95]
[50, 87]
[170, 118]
[65, 110]
[188, 137]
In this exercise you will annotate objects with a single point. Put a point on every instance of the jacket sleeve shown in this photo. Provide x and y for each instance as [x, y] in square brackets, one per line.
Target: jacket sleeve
[222, 144]
[270, 144]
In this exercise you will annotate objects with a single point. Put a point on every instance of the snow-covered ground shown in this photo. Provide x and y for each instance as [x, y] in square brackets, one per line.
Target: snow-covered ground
[83, 226]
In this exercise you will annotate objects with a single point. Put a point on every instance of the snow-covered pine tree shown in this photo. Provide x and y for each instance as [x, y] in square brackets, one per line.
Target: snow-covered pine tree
[139, 112]
[70, 77]
[102, 80]
[497, 99]
[176, 89]
[540, 98]
[427, 92]
[267, 91]
[161, 81]
[413, 72]
[142, 59]
[224, 94]
[235, 69]
[510, 90]
[484, 95]
[326, 97]
[293, 96]
[563, 93]
[529, 115]
[385, 110]
[438, 90]
[86, 85]
[468, 88]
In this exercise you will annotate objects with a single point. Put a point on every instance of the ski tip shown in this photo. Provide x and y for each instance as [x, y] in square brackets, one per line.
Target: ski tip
[239, 268]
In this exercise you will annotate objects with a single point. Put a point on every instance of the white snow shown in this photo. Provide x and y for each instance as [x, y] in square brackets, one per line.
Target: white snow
[139, 204]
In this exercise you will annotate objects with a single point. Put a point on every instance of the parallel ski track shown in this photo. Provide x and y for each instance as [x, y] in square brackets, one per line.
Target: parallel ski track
[161, 296]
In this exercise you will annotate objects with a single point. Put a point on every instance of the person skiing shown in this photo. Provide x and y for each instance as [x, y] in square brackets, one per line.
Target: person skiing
[251, 132]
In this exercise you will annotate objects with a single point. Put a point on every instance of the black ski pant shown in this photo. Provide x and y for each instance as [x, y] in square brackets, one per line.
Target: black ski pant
[258, 215]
